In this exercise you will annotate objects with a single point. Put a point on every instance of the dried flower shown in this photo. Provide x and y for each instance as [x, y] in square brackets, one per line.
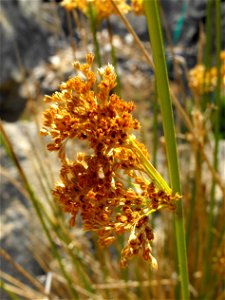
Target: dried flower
[95, 185]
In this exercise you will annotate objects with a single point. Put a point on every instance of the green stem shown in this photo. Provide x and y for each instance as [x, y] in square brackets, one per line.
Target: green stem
[216, 134]
[113, 57]
[157, 179]
[92, 17]
[208, 47]
[155, 128]
[155, 135]
[192, 203]
[72, 42]
[155, 33]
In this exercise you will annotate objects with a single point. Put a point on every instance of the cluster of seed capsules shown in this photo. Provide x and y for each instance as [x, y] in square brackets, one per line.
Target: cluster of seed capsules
[110, 186]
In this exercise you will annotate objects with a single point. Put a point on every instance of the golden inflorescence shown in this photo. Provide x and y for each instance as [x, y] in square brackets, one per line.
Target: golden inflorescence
[202, 80]
[102, 8]
[137, 7]
[110, 188]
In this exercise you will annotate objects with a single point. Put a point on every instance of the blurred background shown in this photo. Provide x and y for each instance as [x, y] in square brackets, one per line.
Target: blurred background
[36, 52]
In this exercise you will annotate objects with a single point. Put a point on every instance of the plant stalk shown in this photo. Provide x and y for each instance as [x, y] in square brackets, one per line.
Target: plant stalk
[155, 127]
[153, 174]
[114, 58]
[208, 50]
[216, 137]
[208, 45]
[155, 33]
[92, 17]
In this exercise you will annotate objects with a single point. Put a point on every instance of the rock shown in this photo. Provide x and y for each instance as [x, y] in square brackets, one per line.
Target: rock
[23, 45]
[195, 15]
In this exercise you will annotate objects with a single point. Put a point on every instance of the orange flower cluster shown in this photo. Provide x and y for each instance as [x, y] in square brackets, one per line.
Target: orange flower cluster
[102, 8]
[137, 7]
[203, 81]
[73, 4]
[105, 8]
[96, 185]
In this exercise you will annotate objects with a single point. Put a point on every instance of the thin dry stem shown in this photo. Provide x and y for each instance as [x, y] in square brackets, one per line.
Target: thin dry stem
[14, 182]
[133, 33]
[212, 170]
[46, 154]
[20, 269]
[20, 288]
[133, 284]
[78, 287]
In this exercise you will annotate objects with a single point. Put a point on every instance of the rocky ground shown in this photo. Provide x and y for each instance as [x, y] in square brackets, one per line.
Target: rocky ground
[15, 208]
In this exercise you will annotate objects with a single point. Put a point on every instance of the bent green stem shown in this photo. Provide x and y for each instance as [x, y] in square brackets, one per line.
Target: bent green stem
[208, 49]
[155, 33]
[154, 175]
[113, 58]
[92, 17]
[155, 127]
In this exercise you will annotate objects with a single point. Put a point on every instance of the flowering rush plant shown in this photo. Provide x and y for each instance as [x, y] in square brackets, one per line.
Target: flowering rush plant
[114, 189]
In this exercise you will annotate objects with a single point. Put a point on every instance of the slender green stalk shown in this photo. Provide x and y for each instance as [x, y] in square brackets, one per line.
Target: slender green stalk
[155, 135]
[208, 45]
[191, 206]
[153, 174]
[155, 128]
[216, 134]
[218, 110]
[155, 33]
[208, 49]
[198, 200]
[113, 57]
[92, 17]
[72, 42]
